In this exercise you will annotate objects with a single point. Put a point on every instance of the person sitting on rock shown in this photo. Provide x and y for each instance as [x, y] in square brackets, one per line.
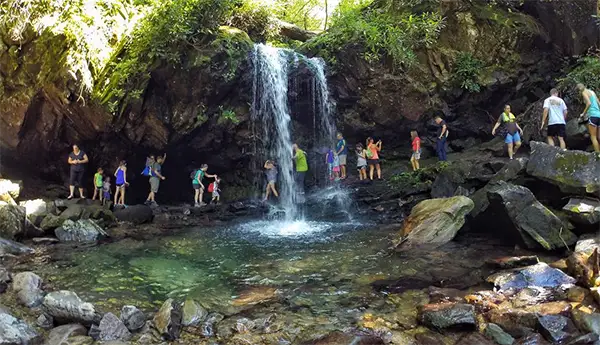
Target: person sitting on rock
[106, 190]
[512, 139]
[416, 150]
[271, 173]
[557, 122]
[155, 178]
[121, 183]
[98, 184]
[361, 161]
[77, 160]
[592, 110]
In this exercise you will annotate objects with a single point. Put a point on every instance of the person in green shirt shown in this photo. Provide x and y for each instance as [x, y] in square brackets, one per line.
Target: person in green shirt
[301, 167]
[98, 184]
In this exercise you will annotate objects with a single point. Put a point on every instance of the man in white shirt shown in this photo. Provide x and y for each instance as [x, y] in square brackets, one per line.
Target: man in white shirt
[555, 110]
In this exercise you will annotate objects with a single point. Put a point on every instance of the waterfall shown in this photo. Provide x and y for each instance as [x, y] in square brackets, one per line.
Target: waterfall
[275, 89]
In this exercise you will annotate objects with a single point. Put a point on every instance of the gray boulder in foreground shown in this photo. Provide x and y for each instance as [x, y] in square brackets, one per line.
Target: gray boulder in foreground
[83, 230]
[16, 331]
[572, 171]
[28, 287]
[66, 307]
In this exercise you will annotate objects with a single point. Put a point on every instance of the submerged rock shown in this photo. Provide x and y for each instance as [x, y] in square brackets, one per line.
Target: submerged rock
[111, 328]
[339, 338]
[66, 306]
[587, 321]
[61, 334]
[434, 222]
[447, 315]
[83, 230]
[168, 320]
[132, 317]
[535, 224]
[556, 328]
[516, 322]
[572, 171]
[5, 279]
[539, 275]
[15, 331]
[513, 261]
[13, 248]
[193, 313]
[136, 214]
[583, 211]
[12, 221]
[255, 295]
[497, 334]
[28, 287]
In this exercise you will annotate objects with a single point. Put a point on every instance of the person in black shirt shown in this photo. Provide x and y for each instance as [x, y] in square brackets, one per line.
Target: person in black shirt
[77, 160]
[442, 135]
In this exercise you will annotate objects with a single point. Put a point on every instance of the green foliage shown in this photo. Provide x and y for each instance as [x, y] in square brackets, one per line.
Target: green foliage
[466, 72]
[587, 71]
[255, 18]
[379, 31]
[228, 115]
[413, 178]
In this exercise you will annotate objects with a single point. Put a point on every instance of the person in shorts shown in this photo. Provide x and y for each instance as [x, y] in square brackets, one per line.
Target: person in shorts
[98, 184]
[336, 167]
[301, 163]
[199, 186]
[271, 174]
[216, 192]
[342, 153]
[77, 159]
[121, 183]
[106, 190]
[592, 111]
[555, 110]
[513, 131]
[372, 153]
[416, 150]
[155, 178]
[361, 161]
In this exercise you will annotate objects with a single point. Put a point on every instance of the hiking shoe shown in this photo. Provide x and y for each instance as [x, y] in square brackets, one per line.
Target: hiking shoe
[202, 204]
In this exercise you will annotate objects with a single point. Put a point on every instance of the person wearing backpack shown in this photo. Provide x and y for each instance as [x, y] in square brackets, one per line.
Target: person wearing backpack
[148, 168]
[512, 138]
[155, 178]
[197, 176]
[372, 153]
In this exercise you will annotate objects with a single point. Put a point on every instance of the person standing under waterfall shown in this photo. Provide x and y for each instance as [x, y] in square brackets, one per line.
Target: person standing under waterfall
[441, 138]
[342, 153]
[592, 110]
[372, 153]
[77, 160]
[271, 173]
[301, 169]
[512, 138]
[155, 178]
[557, 122]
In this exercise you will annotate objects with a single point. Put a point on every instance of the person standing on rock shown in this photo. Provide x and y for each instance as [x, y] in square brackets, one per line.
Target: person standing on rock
[592, 110]
[441, 138]
[416, 150]
[342, 152]
[155, 178]
[121, 183]
[301, 169]
[98, 184]
[372, 152]
[271, 173]
[513, 137]
[77, 160]
[555, 110]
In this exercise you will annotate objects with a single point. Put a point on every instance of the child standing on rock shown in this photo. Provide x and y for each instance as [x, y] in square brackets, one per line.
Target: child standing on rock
[416, 150]
[106, 190]
[121, 183]
[361, 161]
[215, 190]
[98, 184]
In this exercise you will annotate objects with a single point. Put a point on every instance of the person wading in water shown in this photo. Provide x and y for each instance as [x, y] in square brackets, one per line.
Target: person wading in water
[77, 160]
[592, 110]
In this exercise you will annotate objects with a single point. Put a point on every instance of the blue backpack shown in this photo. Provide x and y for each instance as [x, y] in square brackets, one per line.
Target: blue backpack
[147, 171]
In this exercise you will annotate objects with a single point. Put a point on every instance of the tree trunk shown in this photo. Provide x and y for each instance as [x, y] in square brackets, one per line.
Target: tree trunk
[326, 15]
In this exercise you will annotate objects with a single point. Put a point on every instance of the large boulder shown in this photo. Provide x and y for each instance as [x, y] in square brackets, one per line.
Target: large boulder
[51, 222]
[28, 287]
[66, 306]
[36, 210]
[132, 317]
[110, 328]
[193, 313]
[537, 276]
[13, 248]
[518, 210]
[136, 214]
[168, 320]
[15, 331]
[83, 230]
[572, 171]
[73, 212]
[61, 334]
[583, 211]
[9, 191]
[434, 222]
[12, 221]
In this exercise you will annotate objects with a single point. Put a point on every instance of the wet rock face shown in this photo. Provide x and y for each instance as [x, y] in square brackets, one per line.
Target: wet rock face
[83, 230]
[572, 171]
[13, 248]
[110, 328]
[12, 221]
[168, 320]
[28, 287]
[61, 334]
[447, 315]
[434, 222]
[339, 338]
[539, 275]
[495, 332]
[516, 207]
[583, 211]
[136, 214]
[16, 331]
[556, 328]
[133, 318]
[193, 313]
[66, 306]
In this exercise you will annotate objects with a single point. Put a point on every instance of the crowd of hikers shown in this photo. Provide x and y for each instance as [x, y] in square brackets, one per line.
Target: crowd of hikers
[368, 165]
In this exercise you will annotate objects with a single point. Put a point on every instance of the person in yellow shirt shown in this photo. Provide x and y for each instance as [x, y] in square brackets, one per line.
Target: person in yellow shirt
[98, 184]
[301, 168]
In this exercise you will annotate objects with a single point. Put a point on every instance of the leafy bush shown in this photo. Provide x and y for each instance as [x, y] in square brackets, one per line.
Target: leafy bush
[256, 19]
[228, 115]
[587, 71]
[381, 32]
[466, 72]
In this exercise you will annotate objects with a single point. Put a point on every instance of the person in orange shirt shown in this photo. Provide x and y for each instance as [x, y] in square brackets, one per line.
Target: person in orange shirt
[416, 150]
[373, 157]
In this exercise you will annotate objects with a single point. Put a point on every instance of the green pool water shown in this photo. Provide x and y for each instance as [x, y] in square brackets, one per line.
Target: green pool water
[323, 272]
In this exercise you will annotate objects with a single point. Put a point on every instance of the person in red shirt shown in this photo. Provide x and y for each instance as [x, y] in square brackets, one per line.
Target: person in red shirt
[416, 150]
